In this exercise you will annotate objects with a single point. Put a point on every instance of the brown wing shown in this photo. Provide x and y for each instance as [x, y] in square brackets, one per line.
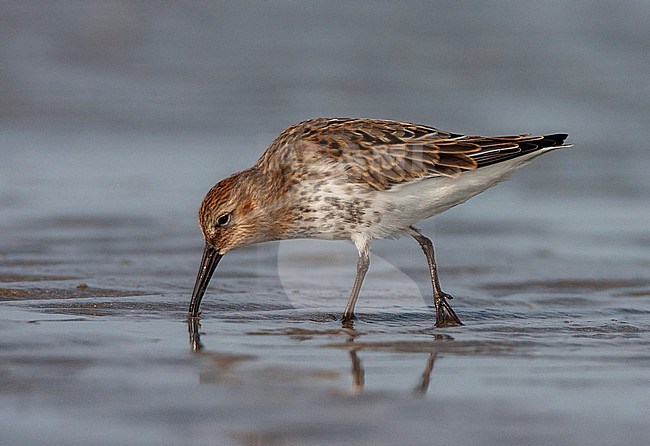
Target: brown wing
[502, 148]
[383, 153]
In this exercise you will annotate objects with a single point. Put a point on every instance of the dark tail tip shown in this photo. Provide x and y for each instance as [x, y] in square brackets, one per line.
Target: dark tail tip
[556, 139]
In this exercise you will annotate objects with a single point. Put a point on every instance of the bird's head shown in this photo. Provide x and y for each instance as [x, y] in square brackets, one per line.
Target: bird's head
[236, 212]
[228, 215]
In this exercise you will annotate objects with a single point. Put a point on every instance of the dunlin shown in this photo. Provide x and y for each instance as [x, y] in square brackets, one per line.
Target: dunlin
[358, 180]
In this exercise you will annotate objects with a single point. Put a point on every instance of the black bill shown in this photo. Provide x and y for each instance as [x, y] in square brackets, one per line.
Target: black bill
[209, 263]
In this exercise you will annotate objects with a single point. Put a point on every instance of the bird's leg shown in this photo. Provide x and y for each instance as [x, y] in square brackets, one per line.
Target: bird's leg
[445, 315]
[362, 269]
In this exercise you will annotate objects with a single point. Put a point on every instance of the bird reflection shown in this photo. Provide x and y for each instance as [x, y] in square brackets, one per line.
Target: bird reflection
[423, 386]
[358, 372]
[193, 328]
[226, 361]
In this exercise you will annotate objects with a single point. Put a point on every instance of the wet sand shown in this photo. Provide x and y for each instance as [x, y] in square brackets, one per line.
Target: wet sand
[120, 119]
[107, 356]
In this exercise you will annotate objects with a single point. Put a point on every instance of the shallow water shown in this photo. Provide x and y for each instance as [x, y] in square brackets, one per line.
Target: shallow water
[104, 164]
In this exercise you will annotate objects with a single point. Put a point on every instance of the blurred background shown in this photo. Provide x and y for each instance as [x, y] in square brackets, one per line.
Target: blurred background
[232, 68]
[117, 116]
[120, 109]
[137, 108]
[125, 88]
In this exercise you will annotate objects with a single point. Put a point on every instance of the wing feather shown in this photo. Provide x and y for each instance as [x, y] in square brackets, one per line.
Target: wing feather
[380, 153]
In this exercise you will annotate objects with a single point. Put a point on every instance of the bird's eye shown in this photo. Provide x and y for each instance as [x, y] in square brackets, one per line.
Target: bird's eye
[223, 220]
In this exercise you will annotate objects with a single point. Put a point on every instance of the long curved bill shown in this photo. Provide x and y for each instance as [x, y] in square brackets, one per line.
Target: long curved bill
[209, 263]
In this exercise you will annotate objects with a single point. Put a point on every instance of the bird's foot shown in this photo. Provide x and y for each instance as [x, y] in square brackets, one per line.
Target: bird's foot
[348, 320]
[445, 315]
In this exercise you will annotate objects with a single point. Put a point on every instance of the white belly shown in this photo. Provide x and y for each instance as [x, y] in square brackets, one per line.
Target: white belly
[339, 211]
[407, 204]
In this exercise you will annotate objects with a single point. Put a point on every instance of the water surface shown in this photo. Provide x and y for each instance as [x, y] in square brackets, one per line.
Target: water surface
[121, 116]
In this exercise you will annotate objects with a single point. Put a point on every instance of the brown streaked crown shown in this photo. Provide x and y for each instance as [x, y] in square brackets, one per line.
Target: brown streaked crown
[252, 209]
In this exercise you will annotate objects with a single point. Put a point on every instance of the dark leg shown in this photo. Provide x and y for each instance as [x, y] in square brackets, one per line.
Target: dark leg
[445, 315]
[362, 269]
